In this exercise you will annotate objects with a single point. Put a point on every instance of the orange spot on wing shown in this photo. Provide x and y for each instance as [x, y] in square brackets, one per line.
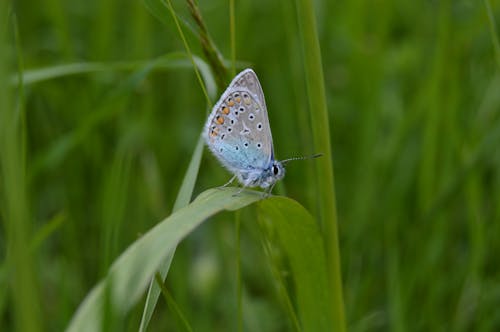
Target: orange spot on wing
[225, 110]
[238, 99]
[219, 120]
[230, 102]
[214, 132]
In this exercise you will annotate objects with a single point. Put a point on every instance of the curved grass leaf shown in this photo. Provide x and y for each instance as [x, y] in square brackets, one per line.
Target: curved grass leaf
[302, 242]
[131, 273]
[295, 228]
[168, 61]
[183, 198]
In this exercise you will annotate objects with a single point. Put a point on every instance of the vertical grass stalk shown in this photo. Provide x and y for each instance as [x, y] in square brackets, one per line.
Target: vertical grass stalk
[211, 53]
[14, 194]
[233, 37]
[321, 136]
[188, 50]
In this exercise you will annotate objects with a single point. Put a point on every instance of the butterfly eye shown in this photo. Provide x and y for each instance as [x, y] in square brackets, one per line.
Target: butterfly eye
[275, 170]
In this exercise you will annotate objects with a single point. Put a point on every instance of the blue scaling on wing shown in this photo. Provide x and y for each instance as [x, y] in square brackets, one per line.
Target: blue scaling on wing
[238, 133]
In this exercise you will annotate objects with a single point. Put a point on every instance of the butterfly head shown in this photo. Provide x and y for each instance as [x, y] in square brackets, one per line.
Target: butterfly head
[277, 170]
[274, 173]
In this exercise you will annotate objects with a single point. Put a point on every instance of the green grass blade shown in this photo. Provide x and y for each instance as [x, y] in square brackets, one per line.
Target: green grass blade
[188, 50]
[43, 74]
[130, 274]
[183, 198]
[14, 189]
[232, 32]
[172, 60]
[493, 31]
[47, 229]
[171, 303]
[187, 187]
[321, 136]
[276, 266]
[114, 197]
[214, 58]
[154, 291]
[159, 10]
[301, 240]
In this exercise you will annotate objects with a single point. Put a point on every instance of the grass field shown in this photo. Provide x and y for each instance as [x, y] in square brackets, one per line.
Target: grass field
[395, 228]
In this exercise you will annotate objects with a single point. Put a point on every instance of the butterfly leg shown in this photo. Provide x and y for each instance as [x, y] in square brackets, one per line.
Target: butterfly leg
[229, 182]
[267, 193]
[239, 192]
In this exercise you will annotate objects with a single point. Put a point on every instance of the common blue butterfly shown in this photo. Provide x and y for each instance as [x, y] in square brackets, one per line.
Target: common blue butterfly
[238, 134]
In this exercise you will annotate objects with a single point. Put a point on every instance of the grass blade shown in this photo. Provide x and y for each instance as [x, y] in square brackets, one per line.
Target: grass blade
[301, 240]
[183, 198]
[171, 303]
[167, 61]
[321, 136]
[187, 187]
[130, 274]
[14, 192]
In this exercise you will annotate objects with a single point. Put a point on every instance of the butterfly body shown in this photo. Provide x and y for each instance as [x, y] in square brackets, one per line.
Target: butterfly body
[238, 133]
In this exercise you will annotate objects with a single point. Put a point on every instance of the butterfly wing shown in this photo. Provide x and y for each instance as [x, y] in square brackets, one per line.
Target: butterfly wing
[237, 131]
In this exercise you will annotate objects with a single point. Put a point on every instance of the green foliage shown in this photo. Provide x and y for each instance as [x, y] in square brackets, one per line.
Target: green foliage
[129, 275]
[301, 242]
[100, 115]
[183, 199]
[321, 138]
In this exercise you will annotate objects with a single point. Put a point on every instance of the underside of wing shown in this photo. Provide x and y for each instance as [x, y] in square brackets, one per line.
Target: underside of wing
[237, 131]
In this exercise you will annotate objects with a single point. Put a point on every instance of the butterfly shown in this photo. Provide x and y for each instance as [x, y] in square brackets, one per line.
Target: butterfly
[237, 132]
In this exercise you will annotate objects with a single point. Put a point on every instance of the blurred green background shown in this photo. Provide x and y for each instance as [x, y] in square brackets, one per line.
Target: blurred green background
[413, 92]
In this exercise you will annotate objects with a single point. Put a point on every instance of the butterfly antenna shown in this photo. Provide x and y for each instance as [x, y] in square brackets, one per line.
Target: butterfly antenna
[284, 162]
